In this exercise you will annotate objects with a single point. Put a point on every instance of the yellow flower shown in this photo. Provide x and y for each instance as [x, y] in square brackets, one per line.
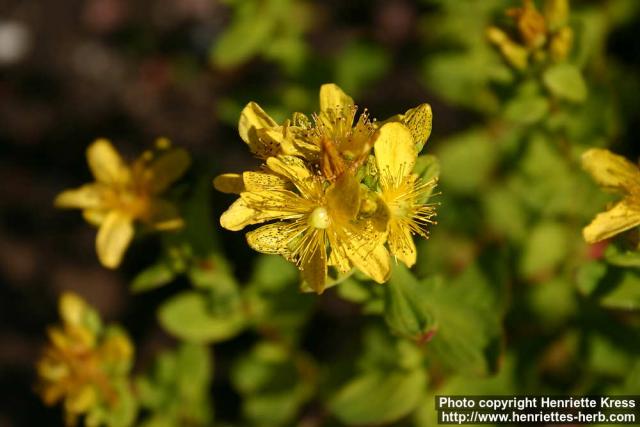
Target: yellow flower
[402, 191]
[123, 194]
[617, 174]
[79, 366]
[319, 188]
[315, 225]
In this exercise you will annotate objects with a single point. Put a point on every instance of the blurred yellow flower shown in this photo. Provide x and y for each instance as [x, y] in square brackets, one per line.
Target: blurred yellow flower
[82, 363]
[617, 174]
[123, 194]
[538, 33]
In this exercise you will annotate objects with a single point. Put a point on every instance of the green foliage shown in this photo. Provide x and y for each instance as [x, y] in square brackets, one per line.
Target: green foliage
[274, 383]
[388, 386]
[565, 81]
[175, 391]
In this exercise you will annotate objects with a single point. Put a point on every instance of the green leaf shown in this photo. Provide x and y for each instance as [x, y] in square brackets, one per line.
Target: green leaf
[188, 317]
[194, 370]
[589, 276]
[467, 318]
[623, 294]
[274, 273]
[355, 291]
[546, 247]
[622, 258]
[404, 311]
[358, 64]
[565, 81]
[554, 301]
[176, 391]
[250, 30]
[274, 383]
[467, 161]
[153, 277]
[379, 397]
[505, 214]
[527, 108]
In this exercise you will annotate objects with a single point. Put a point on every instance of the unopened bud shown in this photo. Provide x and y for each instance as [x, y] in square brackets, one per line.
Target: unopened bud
[556, 12]
[561, 44]
[531, 24]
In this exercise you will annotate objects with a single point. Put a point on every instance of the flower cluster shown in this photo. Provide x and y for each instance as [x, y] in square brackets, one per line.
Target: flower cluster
[85, 365]
[617, 174]
[337, 190]
[123, 194]
[539, 35]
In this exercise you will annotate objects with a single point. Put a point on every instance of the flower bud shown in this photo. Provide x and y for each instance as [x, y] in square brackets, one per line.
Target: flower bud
[561, 44]
[556, 13]
[531, 24]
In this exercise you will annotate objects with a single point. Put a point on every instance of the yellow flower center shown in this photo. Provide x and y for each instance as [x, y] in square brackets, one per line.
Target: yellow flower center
[319, 218]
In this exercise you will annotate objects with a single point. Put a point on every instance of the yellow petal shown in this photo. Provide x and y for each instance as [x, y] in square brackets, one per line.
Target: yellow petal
[418, 120]
[616, 220]
[272, 238]
[339, 259]
[314, 269]
[230, 183]
[374, 263]
[252, 119]
[296, 171]
[106, 164]
[238, 216]
[165, 216]
[114, 236]
[401, 244]
[94, 216]
[277, 204]
[610, 170]
[89, 196]
[258, 181]
[395, 151]
[343, 199]
[333, 98]
[167, 168]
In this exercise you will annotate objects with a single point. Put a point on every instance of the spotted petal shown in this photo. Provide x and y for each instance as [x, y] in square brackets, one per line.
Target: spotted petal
[252, 120]
[273, 238]
[295, 170]
[620, 218]
[610, 170]
[419, 122]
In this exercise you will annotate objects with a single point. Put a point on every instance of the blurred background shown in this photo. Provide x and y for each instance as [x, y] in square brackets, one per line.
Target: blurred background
[183, 69]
